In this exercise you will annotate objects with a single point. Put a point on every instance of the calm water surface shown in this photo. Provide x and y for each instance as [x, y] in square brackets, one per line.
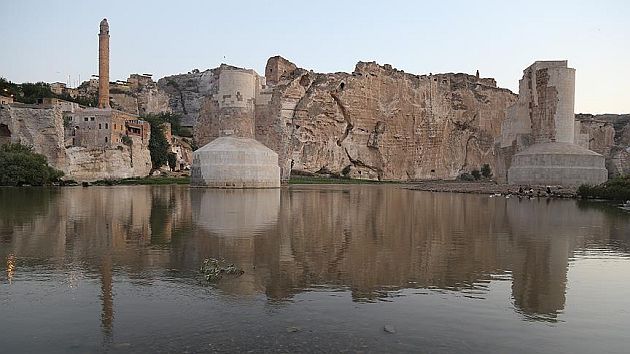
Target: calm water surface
[326, 268]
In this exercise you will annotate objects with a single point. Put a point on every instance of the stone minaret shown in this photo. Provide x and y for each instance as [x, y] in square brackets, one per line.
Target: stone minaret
[103, 65]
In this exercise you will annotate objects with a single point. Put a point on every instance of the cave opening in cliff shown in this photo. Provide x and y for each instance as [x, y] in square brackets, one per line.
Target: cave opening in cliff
[5, 134]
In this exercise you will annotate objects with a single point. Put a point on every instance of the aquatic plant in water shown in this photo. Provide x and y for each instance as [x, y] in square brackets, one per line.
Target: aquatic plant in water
[214, 269]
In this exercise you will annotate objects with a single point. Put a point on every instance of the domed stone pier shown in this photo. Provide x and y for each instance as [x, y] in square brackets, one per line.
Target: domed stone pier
[229, 162]
[557, 164]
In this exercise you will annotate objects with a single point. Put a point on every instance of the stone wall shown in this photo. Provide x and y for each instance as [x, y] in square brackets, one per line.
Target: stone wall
[276, 68]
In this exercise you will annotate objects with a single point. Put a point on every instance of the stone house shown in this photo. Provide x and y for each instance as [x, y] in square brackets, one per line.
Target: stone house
[103, 128]
[6, 100]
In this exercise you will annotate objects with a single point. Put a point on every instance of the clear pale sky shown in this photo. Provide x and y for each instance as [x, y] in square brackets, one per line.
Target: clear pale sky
[48, 40]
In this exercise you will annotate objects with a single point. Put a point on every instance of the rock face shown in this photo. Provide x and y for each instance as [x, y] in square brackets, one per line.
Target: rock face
[42, 126]
[188, 92]
[609, 135]
[374, 123]
[382, 123]
[94, 164]
[38, 126]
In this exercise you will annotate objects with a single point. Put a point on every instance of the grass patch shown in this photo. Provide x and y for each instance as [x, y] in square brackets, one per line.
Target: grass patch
[615, 189]
[143, 181]
[332, 180]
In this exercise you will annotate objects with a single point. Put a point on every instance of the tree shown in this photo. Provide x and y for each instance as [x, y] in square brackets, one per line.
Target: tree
[158, 145]
[486, 171]
[476, 174]
[7, 88]
[167, 117]
[172, 160]
[34, 91]
[19, 165]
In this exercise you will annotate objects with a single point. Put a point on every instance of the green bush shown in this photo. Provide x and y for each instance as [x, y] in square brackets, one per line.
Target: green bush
[127, 140]
[172, 118]
[476, 174]
[615, 189]
[19, 165]
[172, 160]
[467, 177]
[158, 145]
[486, 171]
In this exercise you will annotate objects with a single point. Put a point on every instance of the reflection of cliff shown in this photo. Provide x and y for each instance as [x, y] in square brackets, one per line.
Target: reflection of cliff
[374, 240]
[370, 239]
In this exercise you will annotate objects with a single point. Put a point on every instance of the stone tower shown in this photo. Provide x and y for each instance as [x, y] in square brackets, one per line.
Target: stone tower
[234, 159]
[542, 122]
[103, 65]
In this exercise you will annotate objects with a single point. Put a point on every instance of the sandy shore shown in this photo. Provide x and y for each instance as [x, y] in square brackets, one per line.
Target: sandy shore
[489, 188]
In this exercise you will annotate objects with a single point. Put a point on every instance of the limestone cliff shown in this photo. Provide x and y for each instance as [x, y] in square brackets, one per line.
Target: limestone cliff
[39, 126]
[609, 135]
[188, 92]
[382, 123]
[93, 164]
[374, 123]
[42, 127]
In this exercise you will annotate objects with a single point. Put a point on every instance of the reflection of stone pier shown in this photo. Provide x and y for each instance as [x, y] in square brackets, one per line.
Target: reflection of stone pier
[236, 219]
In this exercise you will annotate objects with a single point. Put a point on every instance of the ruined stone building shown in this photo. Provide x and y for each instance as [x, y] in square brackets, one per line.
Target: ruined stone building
[94, 128]
[233, 158]
[538, 137]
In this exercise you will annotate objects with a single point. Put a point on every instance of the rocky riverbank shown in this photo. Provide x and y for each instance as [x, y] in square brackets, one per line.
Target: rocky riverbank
[493, 188]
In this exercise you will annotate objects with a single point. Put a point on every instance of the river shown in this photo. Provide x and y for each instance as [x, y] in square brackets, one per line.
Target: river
[368, 268]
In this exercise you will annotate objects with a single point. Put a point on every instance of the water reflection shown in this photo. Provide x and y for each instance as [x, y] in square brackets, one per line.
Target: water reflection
[372, 240]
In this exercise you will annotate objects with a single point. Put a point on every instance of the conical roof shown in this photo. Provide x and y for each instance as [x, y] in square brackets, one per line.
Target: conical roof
[556, 148]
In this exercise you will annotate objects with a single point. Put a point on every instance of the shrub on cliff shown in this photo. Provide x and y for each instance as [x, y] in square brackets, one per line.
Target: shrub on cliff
[466, 177]
[486, 171]
[166, 117]
[615, 189]
[159, 147]
[172, 160]
[476, 174]
[19, 165]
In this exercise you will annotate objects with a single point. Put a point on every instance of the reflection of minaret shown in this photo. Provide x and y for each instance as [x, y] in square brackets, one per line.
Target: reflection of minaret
[103, 65]
[107, 298]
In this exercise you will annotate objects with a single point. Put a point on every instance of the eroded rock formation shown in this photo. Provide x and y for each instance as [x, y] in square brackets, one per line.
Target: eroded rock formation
[374, 123]
[609, 135]
[42, 127]
[382, 123]
[38, 126]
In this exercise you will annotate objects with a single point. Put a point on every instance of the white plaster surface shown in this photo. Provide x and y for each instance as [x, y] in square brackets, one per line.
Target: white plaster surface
[229, 162]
